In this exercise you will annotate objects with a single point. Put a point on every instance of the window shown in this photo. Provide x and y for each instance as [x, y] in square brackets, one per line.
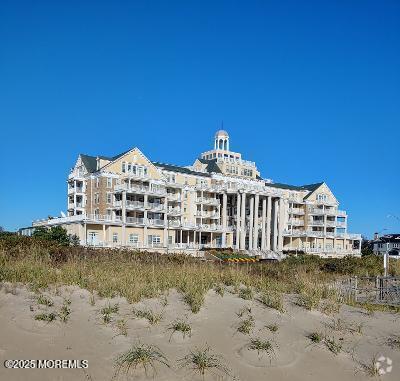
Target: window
[96, 198]
[154, 240]
[115, 237]
[123, 167]
[340, 230]
[109, 198]
[133, 238]
[109, 214]
[322, 197]
[129, 168]
[170, 240]
[97, 182]
[109, 182]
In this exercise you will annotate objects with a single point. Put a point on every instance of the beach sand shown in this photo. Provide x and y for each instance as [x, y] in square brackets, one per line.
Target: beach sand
[86, 336]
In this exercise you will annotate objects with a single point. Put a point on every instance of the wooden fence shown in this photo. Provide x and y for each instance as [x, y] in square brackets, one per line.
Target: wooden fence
[376, 290]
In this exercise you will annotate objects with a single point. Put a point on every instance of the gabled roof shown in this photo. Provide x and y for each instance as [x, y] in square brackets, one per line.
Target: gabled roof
[388, 238]
[308, 187]
[90, 162]
[212, 166]
[179, 169]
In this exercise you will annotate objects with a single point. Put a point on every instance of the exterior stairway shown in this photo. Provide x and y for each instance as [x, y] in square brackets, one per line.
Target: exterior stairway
[266, 254]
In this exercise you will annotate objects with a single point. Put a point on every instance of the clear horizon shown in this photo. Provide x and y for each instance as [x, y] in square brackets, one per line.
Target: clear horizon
[309, 91]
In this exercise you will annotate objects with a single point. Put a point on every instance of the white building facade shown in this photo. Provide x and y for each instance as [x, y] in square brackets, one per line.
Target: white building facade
[220, 201]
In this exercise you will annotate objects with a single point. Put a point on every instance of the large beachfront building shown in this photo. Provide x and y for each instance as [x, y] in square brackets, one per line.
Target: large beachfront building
[219, 201]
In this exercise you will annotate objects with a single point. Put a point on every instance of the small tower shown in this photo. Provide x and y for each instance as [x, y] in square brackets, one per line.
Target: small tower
[221, 140]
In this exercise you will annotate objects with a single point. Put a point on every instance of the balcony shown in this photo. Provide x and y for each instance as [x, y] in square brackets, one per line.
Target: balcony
[155, 222]
[297, 211]
[296, 222]
[134, 204]
[136, 176]
[155, 206]
[341, 213]
[174, 211]
[316, 222]
[176, 197]
[174, 224]
[135, 220]
[341, 224]
[209, 227]
[315, 211]
[330, 223]
[141, 189]
[208, 201]
[205, 214]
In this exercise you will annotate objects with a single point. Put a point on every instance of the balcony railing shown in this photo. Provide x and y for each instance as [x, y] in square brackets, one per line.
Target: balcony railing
[140, 189]
[155, 206]
[296, 222]
[155, 222]
[297, 211]
[135, 220]
[209, 201]
[205, 214]
[174, 211]
[134, 204]
[316, 222]
[174, 197]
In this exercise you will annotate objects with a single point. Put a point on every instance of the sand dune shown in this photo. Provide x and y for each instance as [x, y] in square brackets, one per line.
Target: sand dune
[86, 336]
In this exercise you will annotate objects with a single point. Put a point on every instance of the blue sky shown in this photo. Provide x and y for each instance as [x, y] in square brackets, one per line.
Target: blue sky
[310, 90]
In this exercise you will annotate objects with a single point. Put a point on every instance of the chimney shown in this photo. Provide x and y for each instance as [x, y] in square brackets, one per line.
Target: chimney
[376, 236]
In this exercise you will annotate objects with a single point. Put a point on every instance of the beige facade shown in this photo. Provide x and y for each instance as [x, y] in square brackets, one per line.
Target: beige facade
[218, 201]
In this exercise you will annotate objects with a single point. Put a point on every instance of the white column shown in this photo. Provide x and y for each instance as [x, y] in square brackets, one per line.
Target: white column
[281, 224]
[255, 229]
[251, 221]
[275, 225]
[165, 221]
[104, 234]
[243, 224]
[145, 239]
[264, 212]
[123, 217]
[224, 218]
[269, 223]
[238, 221]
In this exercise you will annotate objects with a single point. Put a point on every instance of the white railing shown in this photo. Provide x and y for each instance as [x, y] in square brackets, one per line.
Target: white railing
[155, 222]
[155, 206]
[316, 222]
[341, 213]
[174, 224]
[296, 211]
[134, 204]
[316, 211]
[174, 211]
[135, 220]
[341, 224]
[174, 197]
[209, 227]
[296, 222]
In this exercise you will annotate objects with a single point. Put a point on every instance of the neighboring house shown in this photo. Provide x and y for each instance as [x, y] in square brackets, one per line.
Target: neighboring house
[387, 243]
[219, 201]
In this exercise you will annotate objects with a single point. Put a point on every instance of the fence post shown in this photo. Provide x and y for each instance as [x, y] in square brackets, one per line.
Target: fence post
[355, 288]
[377, 288]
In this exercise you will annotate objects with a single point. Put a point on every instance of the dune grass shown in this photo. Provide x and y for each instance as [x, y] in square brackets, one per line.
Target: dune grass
[151, 316]
[140, 355]
[182, 326]
[139, 275]
[203, 360]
